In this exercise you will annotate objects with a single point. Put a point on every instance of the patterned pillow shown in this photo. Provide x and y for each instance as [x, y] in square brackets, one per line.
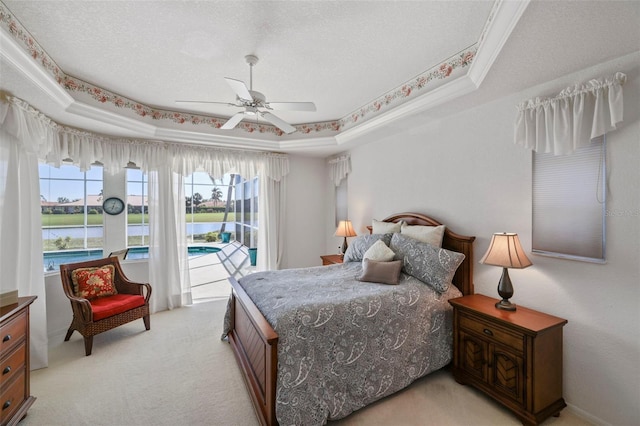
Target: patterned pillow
[431, 265]
[427, 234]
[359, 245]
[379, 251]
[379, 227]
[381, 272]
[90, 283]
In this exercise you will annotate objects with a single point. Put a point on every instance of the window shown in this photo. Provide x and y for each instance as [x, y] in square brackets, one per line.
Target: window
[71, 211]
[341, 201]
[137, 208]
[206, 201]
[569, 203]
[246, 208]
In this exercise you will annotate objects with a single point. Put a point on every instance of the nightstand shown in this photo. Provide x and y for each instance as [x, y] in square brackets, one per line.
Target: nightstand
[331, 259]
[513, 356]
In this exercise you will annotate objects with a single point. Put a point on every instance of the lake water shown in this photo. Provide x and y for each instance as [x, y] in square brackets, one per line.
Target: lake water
[132, 230]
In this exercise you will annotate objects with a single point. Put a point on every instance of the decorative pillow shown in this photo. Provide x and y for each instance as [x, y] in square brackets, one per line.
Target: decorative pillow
[381, 272]
[359, 245]
[379, 251]
[431, 265]
[379, 227]
[427, 234]
[90, 283]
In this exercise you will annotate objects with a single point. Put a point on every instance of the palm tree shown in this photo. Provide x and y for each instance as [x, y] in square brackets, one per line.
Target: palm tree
[216, 195]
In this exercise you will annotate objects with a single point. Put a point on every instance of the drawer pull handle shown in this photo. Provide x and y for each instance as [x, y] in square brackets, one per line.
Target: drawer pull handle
[487, 332]
[6, 404]
[6, 370]
[6, 338]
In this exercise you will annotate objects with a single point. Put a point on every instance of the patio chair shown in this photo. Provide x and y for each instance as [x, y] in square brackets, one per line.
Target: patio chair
[102, 298]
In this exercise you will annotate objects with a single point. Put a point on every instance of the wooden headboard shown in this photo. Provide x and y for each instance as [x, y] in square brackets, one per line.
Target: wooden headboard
[463, 279]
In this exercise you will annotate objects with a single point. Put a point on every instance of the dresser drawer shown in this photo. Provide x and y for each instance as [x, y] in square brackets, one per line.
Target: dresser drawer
[12, 333]
[492, 331]
[11, 399]
[13, 363]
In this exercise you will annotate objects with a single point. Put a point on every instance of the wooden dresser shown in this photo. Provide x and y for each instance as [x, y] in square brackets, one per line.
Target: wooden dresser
[513, 356]
[14, 361]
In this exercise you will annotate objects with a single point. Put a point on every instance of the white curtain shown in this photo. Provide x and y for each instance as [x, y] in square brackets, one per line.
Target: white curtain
[168, 264]
[52, 143]
[340, 167]
[572, 118]
[20, 230]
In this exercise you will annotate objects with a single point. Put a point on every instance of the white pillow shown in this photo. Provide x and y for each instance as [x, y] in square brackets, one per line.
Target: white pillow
[379, 227]
[427, 234]
[379, 252]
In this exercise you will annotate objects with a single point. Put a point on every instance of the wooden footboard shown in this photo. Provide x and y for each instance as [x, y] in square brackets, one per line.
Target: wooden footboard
[255, 346]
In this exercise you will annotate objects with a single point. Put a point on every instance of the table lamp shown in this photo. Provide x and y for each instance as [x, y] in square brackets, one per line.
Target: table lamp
[505, 250]
[345, 229]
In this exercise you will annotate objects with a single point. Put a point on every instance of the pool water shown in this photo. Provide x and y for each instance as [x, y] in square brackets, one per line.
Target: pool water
[53, 260]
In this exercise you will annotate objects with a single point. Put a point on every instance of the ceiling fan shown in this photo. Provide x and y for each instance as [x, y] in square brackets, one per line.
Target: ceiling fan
[255, 102]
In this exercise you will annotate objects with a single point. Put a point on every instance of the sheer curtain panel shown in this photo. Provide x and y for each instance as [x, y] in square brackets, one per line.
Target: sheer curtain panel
[20, 233]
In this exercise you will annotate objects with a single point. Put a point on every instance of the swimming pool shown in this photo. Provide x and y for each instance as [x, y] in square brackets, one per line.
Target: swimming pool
[53, 259]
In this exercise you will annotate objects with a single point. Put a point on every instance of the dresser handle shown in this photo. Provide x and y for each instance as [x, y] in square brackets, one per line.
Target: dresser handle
[6, 370]
[487, 332]
[6, 405]
[6, 338]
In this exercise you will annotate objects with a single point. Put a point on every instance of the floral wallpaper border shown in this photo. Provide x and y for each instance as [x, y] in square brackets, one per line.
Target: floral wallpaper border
[408, 90]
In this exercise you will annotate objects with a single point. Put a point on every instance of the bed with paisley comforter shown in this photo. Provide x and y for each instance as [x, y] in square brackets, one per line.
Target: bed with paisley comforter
[316, 344]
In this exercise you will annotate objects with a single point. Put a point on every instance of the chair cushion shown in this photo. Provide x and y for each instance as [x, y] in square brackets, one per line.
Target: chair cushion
[104, 307]
[90, 283]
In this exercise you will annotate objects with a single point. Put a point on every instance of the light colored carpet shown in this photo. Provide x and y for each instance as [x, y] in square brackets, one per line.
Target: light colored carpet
[180, 373]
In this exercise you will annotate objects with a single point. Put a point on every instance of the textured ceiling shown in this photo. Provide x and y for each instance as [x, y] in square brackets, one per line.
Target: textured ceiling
[341, 55]
[338, 54]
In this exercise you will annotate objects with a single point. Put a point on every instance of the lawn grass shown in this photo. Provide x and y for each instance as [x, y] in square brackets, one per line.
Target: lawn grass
[132, 218]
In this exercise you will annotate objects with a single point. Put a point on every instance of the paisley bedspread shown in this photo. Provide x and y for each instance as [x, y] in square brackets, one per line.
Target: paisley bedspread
[344, 344]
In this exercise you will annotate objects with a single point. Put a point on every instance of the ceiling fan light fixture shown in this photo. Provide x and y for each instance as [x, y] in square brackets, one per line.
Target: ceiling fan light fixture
[251, 110]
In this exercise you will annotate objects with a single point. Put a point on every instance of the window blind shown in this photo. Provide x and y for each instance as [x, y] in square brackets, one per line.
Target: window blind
[569, 203]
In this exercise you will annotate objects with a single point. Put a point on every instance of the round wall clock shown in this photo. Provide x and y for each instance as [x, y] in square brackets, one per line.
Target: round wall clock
[113, 206]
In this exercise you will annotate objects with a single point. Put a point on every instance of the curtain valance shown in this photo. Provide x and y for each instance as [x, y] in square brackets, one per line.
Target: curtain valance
[340, 168]
[54, 143]
[572, 118]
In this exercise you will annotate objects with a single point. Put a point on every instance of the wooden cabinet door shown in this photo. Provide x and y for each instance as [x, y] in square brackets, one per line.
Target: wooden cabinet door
[473, 355]
[507, 373]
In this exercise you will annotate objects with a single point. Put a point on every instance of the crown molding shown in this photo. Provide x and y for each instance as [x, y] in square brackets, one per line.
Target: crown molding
[14, 54]
[506, 15]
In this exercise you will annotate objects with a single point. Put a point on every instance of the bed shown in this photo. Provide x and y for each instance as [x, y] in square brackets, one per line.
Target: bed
[353, 323]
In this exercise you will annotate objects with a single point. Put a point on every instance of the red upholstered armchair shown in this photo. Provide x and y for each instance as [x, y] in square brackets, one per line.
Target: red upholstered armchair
[102, 298]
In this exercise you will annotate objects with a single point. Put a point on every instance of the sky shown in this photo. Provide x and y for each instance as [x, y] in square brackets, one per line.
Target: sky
[69, 181]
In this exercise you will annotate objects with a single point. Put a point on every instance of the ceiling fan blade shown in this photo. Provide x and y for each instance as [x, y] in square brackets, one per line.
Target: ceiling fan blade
[233, 121]
[278, 122]
[207, 102]
[292, 106]
[240, 88]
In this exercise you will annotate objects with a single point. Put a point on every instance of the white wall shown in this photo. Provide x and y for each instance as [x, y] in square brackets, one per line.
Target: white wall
[466, 171]
[305, 215]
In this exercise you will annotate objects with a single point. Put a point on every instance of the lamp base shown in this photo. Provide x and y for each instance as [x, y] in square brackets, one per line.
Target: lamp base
[344, 246]
[506, 305]
[505, 290]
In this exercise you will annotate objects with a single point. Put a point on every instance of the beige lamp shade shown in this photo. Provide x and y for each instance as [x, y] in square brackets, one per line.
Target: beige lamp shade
[505, 250]
[345, 229]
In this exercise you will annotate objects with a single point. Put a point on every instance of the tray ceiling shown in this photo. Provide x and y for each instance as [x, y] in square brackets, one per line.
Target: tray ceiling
[122, 65]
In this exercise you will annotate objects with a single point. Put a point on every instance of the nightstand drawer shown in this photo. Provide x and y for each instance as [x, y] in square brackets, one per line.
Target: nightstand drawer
[492, 331]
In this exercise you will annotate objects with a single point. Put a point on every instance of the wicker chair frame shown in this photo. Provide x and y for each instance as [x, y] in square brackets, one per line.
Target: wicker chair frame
[83, 315]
